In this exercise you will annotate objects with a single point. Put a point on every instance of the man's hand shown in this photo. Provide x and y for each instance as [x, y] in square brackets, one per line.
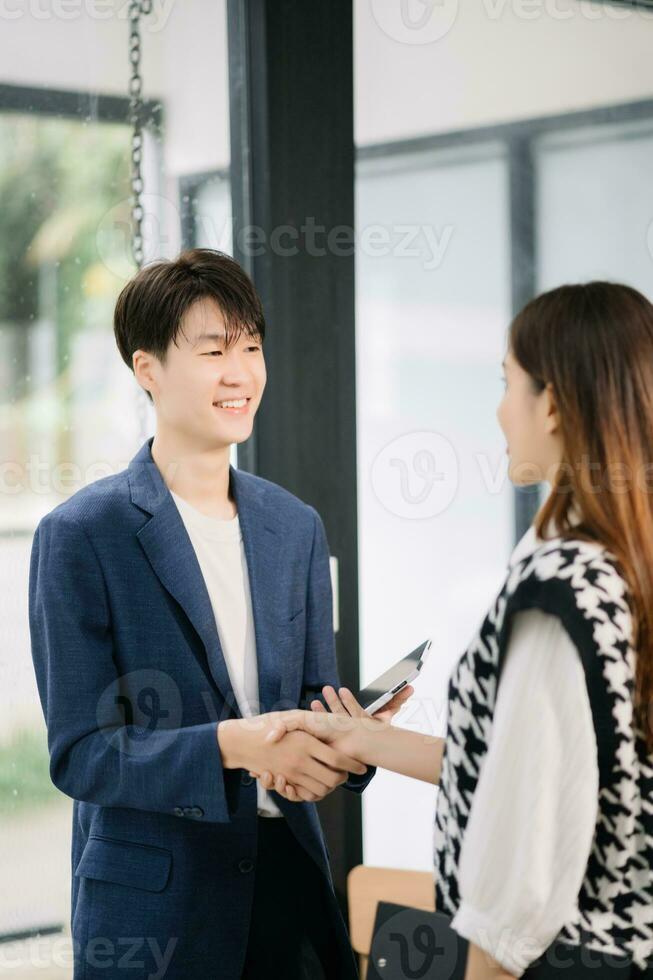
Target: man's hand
[310, 765]
[344, 726]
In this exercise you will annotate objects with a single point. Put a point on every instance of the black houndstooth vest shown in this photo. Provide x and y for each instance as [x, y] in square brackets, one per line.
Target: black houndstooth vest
[579, 582]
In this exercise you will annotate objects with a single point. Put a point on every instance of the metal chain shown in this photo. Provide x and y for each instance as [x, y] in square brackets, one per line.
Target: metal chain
[137, 8]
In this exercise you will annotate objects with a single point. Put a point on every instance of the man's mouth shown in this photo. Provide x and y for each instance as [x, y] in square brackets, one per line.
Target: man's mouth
[234, 406]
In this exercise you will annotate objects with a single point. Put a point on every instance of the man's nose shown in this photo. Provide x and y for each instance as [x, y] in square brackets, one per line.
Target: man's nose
[234, 368]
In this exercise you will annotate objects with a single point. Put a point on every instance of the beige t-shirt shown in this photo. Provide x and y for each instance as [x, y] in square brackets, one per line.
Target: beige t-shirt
[220, 552]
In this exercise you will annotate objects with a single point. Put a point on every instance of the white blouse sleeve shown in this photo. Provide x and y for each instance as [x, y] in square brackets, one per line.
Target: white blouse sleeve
[533, 814]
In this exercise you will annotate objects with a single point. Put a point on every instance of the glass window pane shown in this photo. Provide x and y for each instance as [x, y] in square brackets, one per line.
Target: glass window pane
[435, 511]
[595, 206]
[60, 428]
[211, 205]
[70, 409]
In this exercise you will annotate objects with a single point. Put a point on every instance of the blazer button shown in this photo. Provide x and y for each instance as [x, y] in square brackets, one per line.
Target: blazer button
[195, 811]
[247, 780]
[178, 811]
[245, 866]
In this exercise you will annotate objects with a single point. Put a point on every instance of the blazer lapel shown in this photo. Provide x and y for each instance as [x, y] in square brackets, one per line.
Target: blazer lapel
[165, 541]
[263, 540]
[169, 550]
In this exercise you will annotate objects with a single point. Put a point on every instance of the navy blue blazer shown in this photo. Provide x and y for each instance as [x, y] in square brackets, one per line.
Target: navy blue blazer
[132, 681]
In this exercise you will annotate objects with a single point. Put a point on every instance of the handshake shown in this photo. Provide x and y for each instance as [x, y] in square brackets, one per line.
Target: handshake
[305, 755]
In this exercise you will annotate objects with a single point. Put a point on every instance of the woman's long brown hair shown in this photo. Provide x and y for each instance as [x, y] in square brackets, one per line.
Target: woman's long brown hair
[594, 344]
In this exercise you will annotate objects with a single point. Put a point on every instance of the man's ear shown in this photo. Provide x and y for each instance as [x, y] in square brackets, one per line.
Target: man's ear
[142, 365]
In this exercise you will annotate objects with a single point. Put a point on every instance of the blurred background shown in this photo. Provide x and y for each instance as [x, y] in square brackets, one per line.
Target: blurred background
[499, 148]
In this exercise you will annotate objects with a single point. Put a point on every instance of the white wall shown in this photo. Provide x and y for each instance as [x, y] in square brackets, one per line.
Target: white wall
[499, 60]
[184, 63]
[477, 62]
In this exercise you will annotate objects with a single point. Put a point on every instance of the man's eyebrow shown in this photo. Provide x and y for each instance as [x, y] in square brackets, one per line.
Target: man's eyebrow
[209, 336]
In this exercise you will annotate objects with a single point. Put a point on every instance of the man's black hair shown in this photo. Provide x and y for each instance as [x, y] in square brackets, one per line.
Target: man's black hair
[150, 309]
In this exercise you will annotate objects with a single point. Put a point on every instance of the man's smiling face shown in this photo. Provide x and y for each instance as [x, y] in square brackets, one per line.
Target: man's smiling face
[206, 391]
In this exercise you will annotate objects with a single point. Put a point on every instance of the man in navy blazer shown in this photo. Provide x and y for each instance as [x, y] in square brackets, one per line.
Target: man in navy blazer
[175, 872]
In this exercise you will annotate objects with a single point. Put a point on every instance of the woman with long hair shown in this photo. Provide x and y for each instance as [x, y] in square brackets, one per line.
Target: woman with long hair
[544, 818]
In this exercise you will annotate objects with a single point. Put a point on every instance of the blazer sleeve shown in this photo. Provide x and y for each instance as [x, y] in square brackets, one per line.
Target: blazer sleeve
[72, 650]
[320, 664]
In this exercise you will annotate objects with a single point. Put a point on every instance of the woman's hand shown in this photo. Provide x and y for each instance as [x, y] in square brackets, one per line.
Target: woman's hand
[343, 727]
[348, 704]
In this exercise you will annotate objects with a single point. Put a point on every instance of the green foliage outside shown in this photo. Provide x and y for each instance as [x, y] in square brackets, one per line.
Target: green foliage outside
[24, 773]
[59, 179]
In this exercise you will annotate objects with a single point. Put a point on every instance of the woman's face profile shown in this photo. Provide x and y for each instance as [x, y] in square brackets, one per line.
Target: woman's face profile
[530, 423]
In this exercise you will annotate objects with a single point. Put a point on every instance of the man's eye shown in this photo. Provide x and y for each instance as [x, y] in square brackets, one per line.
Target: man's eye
[211, 352]
[253, 348]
